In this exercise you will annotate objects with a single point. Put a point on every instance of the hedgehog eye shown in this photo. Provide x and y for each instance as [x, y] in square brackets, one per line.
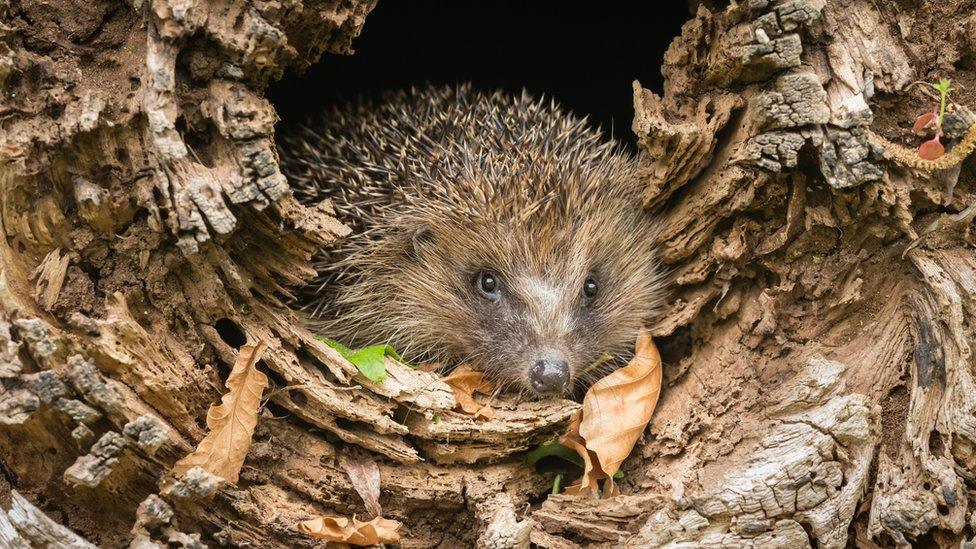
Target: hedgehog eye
[488, 285]
[590, 288]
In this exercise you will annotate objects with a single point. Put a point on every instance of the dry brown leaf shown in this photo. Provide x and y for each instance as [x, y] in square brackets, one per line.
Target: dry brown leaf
[572, 439]
[232, 422]
[465, 382]
[364, 475]
[616, 409]
[352, 531]
[429, 366]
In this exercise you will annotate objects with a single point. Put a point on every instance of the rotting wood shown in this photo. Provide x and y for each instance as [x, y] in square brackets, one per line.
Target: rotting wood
[825, 381]
[824, 248]
[24, 525]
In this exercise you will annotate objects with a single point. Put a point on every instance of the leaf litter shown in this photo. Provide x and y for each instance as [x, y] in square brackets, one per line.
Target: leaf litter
[616, 409]
[231, 423]
[364, 474]
[352, 531]
[465, 381]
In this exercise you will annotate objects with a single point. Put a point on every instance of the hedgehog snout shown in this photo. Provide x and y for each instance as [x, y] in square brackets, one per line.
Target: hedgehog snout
[549, 373]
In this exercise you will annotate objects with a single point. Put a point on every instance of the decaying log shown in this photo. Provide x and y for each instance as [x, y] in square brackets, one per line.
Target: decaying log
[820, 383]
[823, 391]
[149, 233]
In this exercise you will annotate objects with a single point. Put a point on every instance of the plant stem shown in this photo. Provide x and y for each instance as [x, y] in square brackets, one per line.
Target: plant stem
[942, 106]
[555, 484]
[943, 88]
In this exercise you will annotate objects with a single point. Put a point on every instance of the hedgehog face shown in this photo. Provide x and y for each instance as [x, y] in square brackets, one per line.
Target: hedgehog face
[537, 330]
[536, 305]
[533, 303]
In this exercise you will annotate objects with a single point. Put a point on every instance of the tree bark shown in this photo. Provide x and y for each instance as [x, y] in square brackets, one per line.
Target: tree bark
[820, 385]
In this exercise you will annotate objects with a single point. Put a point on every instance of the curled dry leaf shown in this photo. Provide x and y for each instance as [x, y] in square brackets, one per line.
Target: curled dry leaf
[232, 422]
[615, 411]
[465, 382]
[364, 475]
[352, 531]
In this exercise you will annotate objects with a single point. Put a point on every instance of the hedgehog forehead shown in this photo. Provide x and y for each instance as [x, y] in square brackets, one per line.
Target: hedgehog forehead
[562, 245]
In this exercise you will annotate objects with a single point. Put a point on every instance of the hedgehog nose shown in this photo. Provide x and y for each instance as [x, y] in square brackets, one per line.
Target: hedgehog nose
[549, 375]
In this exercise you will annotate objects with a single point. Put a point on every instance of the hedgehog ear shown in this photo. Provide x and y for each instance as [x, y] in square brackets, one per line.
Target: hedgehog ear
[422, 238]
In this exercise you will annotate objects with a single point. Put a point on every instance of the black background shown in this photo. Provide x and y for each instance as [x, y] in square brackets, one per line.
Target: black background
[583, 54]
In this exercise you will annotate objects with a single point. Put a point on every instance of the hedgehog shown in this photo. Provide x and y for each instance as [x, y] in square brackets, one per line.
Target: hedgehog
[489, 229]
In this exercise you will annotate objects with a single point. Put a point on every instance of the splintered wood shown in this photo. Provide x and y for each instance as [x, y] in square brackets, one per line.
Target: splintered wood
[820, 376]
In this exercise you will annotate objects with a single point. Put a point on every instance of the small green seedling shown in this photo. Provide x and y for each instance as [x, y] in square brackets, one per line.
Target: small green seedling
[933, 148]
[370, 360]
[554, 448]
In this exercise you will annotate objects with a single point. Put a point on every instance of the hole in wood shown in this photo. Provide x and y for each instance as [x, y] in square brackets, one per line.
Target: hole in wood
[230, 332]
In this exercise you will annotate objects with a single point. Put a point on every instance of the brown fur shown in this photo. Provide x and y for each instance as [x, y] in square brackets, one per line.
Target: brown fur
[442, 184]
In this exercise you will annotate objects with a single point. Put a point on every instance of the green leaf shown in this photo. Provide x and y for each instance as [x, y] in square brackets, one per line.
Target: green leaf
[943, 85]
[368, 360]
[554, 448]
[343, 350]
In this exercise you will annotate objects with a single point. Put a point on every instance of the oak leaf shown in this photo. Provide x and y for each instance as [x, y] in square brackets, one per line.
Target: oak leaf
[231, 423]
[616, 409]
[352, 531]
[465, 382]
